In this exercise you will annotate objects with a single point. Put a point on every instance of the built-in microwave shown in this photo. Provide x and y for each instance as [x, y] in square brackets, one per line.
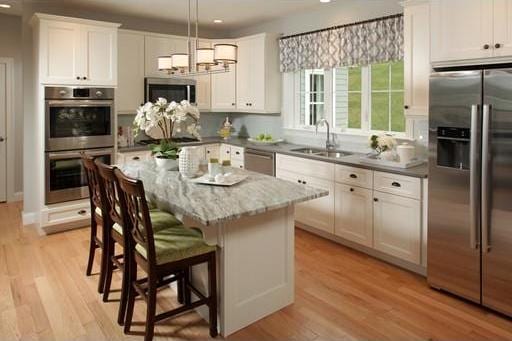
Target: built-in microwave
[172, 89]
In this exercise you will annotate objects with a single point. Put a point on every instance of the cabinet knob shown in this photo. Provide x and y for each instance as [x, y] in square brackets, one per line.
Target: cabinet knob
[2, 139]
[233, 104]
[487, 46]
[299, 181]
[375, 199]
[497, 45]
[406, 107]
[78, 78]
[84, 78]
[351, 190]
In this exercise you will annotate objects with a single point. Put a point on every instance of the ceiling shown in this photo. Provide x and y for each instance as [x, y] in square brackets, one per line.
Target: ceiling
[234, 13]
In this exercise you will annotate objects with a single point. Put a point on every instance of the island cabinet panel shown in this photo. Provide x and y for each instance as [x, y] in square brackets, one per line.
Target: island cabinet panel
[130, 91]
[397, 226]
[354, 214]
[318, 213]
[212, 151]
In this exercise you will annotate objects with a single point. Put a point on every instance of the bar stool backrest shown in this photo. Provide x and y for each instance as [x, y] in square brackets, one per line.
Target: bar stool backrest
[137, 214]
[96, 190]
[111, 185]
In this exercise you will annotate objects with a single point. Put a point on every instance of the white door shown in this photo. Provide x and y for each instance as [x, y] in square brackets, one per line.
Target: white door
[461, 29]
[502, 28]
[130, 89]
[416, 58]
[100, 53]
[157, 46]
[60, 53]
[3, 132]
[397, 226]
[353, 214]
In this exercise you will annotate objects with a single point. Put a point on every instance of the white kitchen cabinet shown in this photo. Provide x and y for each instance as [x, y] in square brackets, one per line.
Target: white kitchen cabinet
[397, 226]
[258, 79]
[354, 214]
[157, 45]
[75, 51]
[317, 213]
[502, 28]
[203, 84]
[225, 152]
[416, 57]
[130, 91]
[223, 86]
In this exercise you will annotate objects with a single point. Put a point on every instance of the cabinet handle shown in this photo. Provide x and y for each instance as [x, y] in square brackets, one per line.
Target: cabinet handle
[237, 153]
[406, 107]
[304, 182]
[227, 151]
[351, 190]
[299, 181]
[497, 45]
[396, 184]
[233, 104]
[375, 199]
[84, 78]
[136, 158]
[82, 212]
[78, 78]
[242, 167]
[207, 152]
[353, 176]
[487, 46]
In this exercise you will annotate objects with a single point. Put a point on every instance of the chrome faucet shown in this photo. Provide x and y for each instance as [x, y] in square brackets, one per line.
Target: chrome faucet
[328, 144]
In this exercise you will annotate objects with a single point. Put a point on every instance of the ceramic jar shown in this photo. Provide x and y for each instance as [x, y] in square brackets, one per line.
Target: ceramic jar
[188, 162]
[406, 152]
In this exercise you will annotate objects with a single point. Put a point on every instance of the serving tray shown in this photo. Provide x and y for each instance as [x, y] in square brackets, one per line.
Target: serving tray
[230, 180]
[373, 160]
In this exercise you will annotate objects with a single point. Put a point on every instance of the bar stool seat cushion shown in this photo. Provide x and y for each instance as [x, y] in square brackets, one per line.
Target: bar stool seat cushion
[159, 219]
[174, 244]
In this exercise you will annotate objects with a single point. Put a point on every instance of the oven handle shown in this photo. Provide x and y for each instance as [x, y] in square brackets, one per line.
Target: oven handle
[69, 155]
[81, 103]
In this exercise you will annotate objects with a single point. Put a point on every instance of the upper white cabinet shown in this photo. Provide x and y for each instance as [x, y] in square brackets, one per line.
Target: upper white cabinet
[76, 51]
[470, 31]
[130, 91]
[416, 57]
[223, 87]
[258, 81]
[203, 85]
[161, 45]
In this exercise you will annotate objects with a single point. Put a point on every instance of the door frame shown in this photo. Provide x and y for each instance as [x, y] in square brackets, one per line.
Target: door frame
[10, 128]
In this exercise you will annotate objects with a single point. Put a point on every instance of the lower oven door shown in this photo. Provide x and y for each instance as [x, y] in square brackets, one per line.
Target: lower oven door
[65, 176]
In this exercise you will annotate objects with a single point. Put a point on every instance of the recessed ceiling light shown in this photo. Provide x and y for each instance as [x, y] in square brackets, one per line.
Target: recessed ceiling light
[5, 6]
[218, 21]
[325, 1]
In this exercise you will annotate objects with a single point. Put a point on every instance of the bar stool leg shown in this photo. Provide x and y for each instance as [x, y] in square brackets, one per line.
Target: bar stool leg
[92, 246]
[212, 299]
[124, 293]
[132, 276]
[151, 309]
[103, 268]
[109, 269]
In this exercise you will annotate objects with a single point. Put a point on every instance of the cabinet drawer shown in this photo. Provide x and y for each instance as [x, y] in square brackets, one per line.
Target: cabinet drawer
[354, 176]
[397, 184]
[65, 214]
[237, 153]
[313, 168]
[133, 156]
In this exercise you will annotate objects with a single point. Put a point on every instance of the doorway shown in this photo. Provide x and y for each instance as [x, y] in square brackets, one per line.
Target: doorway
[6, 71]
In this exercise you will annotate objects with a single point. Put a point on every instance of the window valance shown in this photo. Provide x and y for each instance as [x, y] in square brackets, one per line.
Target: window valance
[374, 41]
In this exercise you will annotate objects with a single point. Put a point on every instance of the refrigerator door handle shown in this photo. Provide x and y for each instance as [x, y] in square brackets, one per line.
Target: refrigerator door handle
[486, 247]
[474, 179]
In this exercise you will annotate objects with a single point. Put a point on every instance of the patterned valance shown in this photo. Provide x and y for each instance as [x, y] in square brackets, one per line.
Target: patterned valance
[373, 41]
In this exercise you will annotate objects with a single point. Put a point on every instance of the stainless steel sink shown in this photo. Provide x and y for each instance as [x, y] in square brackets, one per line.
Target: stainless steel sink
[336, 154]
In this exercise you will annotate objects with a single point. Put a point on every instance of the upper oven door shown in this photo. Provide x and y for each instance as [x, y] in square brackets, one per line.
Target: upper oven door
[79, 124]
[170, 89]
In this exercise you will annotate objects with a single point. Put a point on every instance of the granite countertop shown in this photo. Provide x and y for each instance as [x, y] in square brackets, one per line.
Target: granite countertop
[353, 160]
[213, 204]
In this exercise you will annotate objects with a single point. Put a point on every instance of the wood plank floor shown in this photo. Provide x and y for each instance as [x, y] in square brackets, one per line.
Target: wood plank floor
[341, 294]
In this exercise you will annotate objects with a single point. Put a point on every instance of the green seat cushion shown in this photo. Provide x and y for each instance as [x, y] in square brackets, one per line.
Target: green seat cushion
[159, 219]
[177, 243]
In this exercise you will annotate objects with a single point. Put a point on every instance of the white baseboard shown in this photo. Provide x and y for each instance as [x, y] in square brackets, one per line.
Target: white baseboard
[30, 218]
[16, 196]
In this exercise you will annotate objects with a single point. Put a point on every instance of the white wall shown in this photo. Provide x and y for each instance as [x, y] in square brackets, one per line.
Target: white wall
[10, 47]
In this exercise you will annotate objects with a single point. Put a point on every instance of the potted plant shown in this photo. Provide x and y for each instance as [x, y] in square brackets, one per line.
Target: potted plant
[383, 146]
[169, 118]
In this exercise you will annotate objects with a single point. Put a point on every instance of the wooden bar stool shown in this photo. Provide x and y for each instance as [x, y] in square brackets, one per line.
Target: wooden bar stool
[164, 254]
[109, 185]
[97, 202]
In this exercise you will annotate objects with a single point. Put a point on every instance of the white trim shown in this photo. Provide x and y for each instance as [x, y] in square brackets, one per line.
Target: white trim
[17, 196]
[10, 128]
[29, 218]
[44, 16]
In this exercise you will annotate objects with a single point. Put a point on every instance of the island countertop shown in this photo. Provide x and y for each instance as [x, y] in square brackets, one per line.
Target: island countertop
[214, 204]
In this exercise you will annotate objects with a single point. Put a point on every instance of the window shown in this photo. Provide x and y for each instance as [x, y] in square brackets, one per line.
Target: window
[363, 98]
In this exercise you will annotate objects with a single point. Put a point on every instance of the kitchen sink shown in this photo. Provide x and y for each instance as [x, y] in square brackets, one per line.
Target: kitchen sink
[335, 154]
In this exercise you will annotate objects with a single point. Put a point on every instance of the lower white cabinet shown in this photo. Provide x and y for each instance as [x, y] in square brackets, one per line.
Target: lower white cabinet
[397, 226]
[354, 214]
[212, 151]
[317, 213]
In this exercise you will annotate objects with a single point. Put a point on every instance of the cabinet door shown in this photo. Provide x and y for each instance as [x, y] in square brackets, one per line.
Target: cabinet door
[503, 28]
[250, 76]
[243, 74]
[212, 151]
[225, 152]
[223, 86]
[354, 214]
[60, 51]
[203, 85]
[100, 48]
[397, 226]
[130, 89]
[161, 46]
[461, 29]
[416, 58]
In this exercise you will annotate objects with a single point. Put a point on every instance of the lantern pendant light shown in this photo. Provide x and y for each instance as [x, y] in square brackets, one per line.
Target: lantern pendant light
[205, 57]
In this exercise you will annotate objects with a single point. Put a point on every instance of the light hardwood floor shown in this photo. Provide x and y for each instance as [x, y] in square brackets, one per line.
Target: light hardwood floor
[341, 294]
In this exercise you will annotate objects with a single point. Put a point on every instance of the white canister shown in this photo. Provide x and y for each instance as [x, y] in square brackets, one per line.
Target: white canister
[188, 162]
[406, 152]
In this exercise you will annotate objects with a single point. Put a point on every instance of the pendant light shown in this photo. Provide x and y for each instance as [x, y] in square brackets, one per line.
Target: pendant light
[205, 57]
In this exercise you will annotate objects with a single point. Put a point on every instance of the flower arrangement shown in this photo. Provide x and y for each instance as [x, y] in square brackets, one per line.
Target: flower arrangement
[382, 143]
[169, 118]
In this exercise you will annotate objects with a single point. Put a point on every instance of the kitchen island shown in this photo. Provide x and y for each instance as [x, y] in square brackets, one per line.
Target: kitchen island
[252, 224]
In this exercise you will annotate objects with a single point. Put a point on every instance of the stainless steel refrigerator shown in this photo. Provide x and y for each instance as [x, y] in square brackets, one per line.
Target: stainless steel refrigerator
[470, 186]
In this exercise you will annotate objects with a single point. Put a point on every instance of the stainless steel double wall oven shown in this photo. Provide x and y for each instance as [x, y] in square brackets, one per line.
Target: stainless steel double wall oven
[77, 119]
